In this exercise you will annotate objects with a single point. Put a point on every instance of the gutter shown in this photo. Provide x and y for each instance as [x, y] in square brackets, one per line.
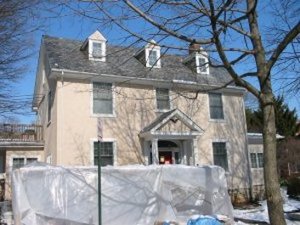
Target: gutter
[57, 73]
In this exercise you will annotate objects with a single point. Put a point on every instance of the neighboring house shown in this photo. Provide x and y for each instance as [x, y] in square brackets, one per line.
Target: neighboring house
[20, 145]
[150, 107]
[288, 156]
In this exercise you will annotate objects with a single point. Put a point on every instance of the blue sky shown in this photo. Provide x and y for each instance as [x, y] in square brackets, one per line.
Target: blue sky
[75, 27]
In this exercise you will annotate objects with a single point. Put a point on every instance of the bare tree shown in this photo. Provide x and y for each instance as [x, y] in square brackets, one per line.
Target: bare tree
[19, 20]
[242, 36]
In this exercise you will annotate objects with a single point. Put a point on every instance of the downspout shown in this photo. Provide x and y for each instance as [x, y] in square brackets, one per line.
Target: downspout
[247, 158]
[62, 118]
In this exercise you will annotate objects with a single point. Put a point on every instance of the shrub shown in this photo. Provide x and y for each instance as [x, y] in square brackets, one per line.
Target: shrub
[293, 186]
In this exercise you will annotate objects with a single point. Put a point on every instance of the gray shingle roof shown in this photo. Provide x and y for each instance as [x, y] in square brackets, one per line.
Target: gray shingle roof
[66, 54]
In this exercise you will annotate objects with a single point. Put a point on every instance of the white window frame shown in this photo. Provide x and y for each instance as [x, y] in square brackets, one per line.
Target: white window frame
[103, 51]
[257, 161]
[12, 157]
[170, 100]
[158, 62]
[222, 99]
[113, 140]
[202, 55]
[227, 147]
[113, 114]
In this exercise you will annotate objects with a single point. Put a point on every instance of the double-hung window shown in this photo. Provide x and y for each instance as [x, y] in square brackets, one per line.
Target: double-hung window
[257, 160]
[106, 152]
[102, 98]
[216, 106]
[162, 99]
[202, 65]
[97, 50]
[220, 155]
[153, 57]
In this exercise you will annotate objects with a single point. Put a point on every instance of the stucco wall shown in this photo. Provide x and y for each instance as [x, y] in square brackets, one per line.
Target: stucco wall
[135, 108]
[49, 127]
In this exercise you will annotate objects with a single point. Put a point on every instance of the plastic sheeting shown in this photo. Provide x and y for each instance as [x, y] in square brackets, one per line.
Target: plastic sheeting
[141, 195]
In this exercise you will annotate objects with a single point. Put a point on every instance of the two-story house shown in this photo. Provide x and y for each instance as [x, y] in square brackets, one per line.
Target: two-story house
[150, 107]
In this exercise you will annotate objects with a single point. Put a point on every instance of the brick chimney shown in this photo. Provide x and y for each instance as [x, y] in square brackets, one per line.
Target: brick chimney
[194, 47]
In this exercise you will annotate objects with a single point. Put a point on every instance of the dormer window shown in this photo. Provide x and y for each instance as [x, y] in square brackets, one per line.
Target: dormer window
[152, 57]
[197, 60]
[95, 45]
[202, 63]
[97, 50]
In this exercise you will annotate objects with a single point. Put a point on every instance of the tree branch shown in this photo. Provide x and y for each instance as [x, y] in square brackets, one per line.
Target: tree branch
[293, 33]
[165, 29]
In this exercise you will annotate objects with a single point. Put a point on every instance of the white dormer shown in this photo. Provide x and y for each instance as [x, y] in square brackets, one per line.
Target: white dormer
[197, 59]
[152, 54]
[202, 62]
[96, 46]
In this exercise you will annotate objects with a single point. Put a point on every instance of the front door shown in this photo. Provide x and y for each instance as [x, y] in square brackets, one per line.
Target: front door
[165, 157]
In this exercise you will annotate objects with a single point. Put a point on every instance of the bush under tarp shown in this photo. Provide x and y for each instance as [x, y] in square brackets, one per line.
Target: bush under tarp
[131, 195]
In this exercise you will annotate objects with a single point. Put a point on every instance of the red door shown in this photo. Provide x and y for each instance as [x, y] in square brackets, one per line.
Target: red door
[165, 158]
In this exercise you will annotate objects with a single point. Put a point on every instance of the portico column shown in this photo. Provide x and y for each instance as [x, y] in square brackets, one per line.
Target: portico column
[195, 151]
[155, 151]
[146, 152]
[184, 160]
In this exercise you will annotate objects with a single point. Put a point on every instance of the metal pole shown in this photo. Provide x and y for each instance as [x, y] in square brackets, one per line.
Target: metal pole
[99, 185]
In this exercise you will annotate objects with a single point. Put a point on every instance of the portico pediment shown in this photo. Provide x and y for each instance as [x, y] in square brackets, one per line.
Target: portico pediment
[172, 123]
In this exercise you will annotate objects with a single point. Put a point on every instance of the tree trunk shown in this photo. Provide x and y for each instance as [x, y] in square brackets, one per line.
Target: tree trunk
[272, 187]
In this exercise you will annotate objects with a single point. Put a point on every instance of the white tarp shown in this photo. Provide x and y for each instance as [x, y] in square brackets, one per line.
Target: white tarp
[131, 195]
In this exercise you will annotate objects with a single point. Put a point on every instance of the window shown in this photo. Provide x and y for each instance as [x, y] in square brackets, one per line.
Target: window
[97, 50]
[216, 106]
[152, 58]
[257, 160]
[202, 65]
[220, 155]
[106, 151]
[162, 99]
[260, 159]
[253, 160]
[19, 162]
[49, 106]
[102, 98]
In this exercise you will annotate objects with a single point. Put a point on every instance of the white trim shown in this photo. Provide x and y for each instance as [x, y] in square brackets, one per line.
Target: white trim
[103, 50]
[158, 60]
[222, 99]
[184, 119]
[15, 156]
[92, 114]
[202, 55]
[162, 110]
[56, 73]
[115, 152]
[256, 159]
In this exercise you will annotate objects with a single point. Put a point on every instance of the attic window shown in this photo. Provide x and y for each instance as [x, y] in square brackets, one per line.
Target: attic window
[202, 64]
[152, 57]
[95, 45]
[97, 50]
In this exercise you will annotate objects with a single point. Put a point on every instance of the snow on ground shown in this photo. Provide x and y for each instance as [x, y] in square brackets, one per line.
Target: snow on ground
[260, 213]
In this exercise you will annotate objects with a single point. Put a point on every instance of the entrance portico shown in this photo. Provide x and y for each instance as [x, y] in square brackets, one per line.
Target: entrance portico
[171, 139]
